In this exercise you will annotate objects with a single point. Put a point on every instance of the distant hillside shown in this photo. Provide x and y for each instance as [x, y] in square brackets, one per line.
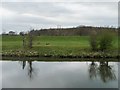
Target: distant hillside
[79, 31]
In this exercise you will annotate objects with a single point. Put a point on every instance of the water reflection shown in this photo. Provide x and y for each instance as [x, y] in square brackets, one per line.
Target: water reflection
[93, 70]
[103, 70]
[30, 68]
[106, 72]
[24, 64]
[100, 69]
[37, 74]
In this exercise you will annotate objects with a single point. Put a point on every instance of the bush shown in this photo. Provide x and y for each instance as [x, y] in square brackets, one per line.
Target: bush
[94, 43]
[105, 41]
[102, 41]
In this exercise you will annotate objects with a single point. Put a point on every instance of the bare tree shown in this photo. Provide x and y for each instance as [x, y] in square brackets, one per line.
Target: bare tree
[30, 39]
[24, 41]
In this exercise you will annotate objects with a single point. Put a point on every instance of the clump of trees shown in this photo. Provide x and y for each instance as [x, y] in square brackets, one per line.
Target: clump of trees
[73, 31]
[102, 41]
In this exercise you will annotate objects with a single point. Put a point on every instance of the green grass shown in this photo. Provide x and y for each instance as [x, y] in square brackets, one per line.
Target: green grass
[15, 42]
[52, 45]
[66, 41]
[11, 42]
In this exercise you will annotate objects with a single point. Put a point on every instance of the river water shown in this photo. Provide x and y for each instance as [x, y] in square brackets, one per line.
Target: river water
[40, 74]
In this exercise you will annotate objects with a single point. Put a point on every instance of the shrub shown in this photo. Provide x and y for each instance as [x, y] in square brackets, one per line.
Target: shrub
[102, 41]
[105, 41]
[94, 43]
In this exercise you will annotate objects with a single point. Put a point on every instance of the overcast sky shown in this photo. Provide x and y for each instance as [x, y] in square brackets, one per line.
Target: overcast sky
[23, 16]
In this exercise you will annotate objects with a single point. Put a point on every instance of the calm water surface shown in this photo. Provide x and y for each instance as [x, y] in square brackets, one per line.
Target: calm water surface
[37, 74]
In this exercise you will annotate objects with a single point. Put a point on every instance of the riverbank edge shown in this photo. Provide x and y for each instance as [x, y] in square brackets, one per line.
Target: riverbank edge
[47, 58]
[79, 55]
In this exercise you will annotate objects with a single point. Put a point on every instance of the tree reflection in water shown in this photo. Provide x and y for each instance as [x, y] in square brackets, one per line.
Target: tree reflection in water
[24, 64]
[30, 68]
[103, 69]
[93, 70]
[106, 72]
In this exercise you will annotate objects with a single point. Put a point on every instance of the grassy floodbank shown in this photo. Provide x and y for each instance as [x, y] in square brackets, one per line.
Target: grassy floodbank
[55, 46]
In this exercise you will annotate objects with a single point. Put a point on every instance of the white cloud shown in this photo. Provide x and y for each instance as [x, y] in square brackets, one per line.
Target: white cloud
[20, 15]
[6, 13]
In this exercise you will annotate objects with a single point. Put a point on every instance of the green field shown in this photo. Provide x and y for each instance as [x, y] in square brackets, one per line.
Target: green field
[52, 45]
[15, 42]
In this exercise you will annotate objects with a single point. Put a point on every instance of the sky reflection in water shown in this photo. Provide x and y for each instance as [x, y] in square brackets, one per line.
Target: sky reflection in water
[28, 74]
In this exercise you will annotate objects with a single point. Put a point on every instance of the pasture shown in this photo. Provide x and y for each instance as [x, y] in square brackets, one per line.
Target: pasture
[52, 45]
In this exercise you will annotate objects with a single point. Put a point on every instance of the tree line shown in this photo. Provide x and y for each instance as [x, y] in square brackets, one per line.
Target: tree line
[75, 31]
